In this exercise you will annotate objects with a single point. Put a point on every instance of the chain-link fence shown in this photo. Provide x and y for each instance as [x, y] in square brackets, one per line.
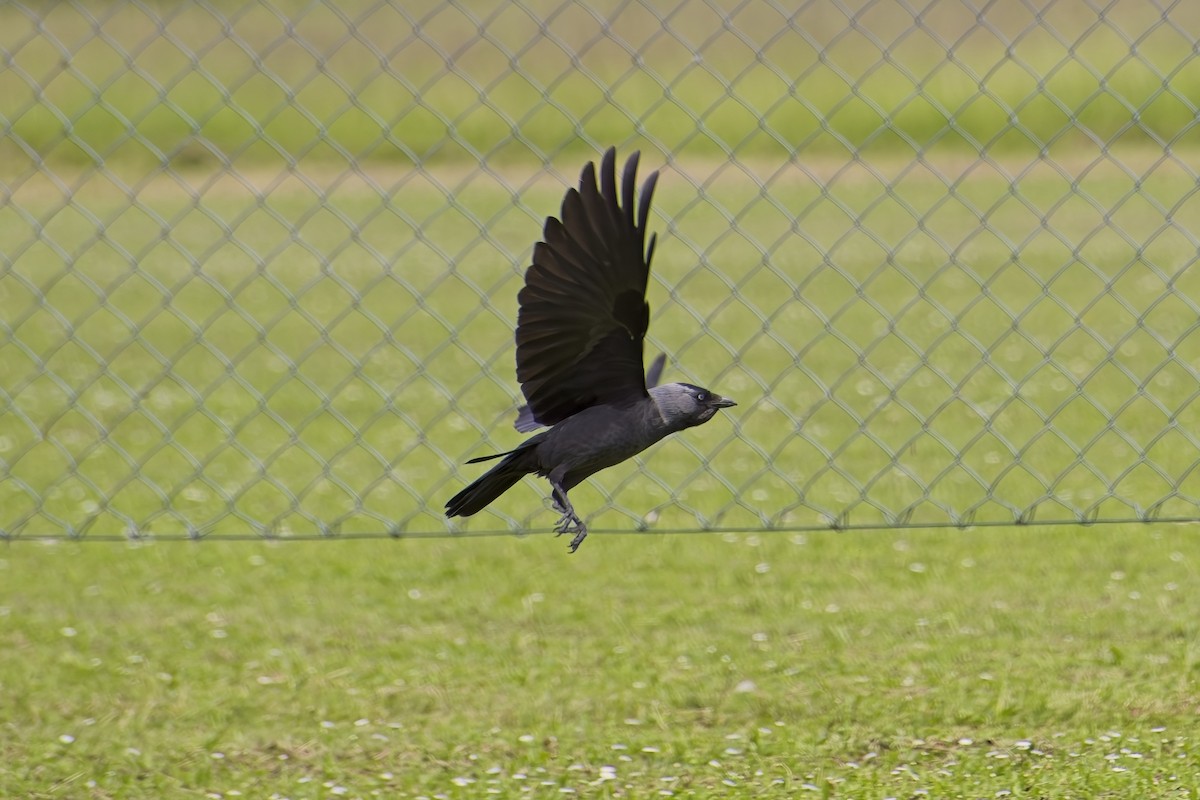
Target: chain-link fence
[260, 261]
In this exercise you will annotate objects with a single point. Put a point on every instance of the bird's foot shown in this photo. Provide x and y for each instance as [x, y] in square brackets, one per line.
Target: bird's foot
[569, 523]
[580, 535]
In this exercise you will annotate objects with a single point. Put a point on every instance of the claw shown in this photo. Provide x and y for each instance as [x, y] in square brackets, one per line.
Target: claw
[569, 522]
[580, 535]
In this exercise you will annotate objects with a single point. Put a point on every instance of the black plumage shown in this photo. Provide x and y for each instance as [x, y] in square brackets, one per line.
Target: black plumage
[580, 328]
[526, 423]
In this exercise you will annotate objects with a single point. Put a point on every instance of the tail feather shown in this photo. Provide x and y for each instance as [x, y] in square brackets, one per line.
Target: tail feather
[495, 482]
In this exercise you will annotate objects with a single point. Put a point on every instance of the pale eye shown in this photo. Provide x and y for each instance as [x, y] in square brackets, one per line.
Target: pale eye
[701, 397]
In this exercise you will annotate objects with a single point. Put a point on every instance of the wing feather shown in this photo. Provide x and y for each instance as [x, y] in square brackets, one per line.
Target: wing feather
[583, 311]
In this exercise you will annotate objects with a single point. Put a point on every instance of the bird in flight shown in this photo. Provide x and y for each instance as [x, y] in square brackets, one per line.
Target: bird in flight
[580, 326]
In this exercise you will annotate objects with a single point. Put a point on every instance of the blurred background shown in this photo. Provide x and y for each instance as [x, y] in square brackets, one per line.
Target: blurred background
[260, 260]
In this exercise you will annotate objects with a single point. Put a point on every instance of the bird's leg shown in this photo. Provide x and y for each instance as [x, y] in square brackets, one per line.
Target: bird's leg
[569, 521]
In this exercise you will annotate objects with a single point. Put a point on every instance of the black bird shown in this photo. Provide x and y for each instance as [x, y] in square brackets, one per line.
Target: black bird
[582, 318]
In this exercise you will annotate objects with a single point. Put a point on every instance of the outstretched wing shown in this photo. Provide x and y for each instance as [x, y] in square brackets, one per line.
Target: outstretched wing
[583, 311]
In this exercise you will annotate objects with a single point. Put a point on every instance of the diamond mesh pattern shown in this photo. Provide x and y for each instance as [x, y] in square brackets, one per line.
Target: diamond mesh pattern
[260, 261]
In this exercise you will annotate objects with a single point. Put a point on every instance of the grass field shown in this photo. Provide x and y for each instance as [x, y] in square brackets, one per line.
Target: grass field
[1025, 663]
[434, 82]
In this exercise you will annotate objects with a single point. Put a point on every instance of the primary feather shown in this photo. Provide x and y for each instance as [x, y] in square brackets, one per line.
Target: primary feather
[583, 311]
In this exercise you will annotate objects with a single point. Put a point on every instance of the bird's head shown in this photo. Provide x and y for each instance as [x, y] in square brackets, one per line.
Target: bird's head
[683, 405]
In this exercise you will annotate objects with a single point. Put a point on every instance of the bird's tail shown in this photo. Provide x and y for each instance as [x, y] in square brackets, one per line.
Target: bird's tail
[496, 481]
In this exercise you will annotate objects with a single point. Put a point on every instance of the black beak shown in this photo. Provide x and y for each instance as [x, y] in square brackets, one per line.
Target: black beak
[721, 402]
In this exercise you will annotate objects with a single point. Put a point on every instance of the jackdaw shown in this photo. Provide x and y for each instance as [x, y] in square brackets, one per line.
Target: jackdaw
[582, 318]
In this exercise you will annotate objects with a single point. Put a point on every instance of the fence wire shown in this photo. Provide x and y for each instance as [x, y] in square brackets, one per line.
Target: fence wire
[259, 261]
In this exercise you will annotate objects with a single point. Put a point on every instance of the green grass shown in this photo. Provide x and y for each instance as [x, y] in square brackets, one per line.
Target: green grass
[271, 84]
[1026, 663]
